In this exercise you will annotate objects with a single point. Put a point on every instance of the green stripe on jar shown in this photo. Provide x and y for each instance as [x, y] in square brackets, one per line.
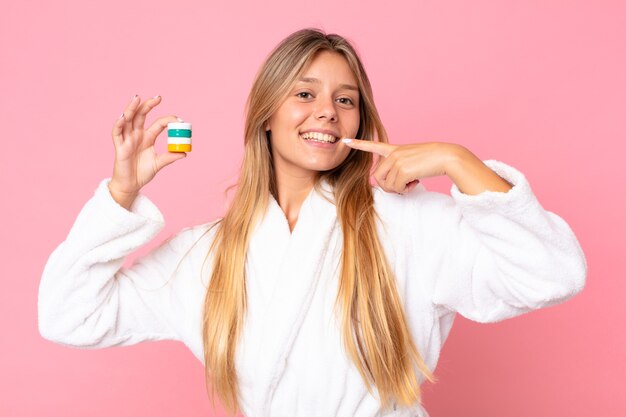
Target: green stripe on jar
[179, 133]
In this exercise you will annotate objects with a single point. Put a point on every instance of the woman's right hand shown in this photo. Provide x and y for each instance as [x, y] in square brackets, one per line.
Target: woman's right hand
[136, 161]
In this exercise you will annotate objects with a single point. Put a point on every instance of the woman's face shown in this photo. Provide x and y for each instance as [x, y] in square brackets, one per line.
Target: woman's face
[324, 100]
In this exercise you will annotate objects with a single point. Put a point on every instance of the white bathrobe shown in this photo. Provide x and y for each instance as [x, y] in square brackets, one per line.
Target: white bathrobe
[489, 257]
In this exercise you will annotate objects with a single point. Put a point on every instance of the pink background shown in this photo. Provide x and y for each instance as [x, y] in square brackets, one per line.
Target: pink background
[540, 85]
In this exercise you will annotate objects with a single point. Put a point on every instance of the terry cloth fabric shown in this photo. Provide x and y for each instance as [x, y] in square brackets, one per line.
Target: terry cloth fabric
[488, 257]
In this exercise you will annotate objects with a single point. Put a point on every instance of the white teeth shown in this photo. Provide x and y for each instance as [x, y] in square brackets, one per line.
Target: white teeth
[318, 137]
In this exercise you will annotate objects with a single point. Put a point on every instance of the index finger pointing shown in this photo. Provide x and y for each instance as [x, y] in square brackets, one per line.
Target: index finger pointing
[379, 148]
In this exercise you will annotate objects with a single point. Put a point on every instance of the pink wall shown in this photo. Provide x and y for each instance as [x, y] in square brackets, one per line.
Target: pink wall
[540, 85]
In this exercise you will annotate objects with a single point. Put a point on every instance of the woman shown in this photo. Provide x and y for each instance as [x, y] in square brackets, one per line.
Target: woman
[316, 294]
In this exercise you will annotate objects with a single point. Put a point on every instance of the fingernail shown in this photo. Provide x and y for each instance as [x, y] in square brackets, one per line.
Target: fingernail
[133, 97]
[121, 115]
[179, 119]
[156, 97]
[346, 140]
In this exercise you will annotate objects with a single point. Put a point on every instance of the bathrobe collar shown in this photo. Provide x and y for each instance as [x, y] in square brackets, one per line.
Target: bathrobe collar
[301, 265]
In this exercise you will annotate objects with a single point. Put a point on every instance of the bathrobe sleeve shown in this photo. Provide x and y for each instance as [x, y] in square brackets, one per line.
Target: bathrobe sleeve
[496, 254]
[87, 300]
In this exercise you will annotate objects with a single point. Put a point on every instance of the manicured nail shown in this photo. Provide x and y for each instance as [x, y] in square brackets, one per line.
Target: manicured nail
[133, 97]
[346, 140]
[121, 116]
[179, 119]
[156, 97]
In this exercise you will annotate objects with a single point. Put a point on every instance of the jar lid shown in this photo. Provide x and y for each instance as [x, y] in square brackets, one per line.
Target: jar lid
[179, 125]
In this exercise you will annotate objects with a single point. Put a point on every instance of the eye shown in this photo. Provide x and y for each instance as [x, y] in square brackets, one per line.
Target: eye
[303, 92]
[348, 100]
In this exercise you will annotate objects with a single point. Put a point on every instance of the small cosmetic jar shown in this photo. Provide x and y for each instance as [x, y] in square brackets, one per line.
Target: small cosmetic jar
[179, 137]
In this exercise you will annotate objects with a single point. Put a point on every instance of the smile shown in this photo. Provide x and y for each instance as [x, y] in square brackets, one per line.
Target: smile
[319, 137]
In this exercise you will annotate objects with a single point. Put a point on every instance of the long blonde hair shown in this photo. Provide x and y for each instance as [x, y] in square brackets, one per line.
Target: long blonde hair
[374, 327]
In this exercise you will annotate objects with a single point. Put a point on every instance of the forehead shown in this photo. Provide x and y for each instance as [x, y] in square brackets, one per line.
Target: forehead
[328, 67]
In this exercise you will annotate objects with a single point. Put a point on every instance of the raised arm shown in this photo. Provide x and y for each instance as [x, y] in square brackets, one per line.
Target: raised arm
[86, 298]
[492, 250]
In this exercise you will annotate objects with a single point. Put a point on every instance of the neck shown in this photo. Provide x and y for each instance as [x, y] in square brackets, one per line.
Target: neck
[292, 191]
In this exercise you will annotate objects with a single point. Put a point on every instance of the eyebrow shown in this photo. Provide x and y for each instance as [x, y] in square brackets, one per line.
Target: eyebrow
[316, 81]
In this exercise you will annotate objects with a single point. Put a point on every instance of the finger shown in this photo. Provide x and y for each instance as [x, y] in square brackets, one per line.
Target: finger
[381, 174]
[379, 148]
[399, 177]
[412, 185]
[167, 158]
[129, 113]
[143, 110]
[385, 165]
[157, 127]
[400, 182]
[116, 133]
[392, 180]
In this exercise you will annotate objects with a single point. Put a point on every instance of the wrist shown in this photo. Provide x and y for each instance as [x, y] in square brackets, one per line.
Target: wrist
[471, 176]
[123, 198]
[455, 154]
[120, 189]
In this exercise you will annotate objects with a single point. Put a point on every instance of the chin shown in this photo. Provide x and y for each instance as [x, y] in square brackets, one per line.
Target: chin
[323, 164]
[322, 167]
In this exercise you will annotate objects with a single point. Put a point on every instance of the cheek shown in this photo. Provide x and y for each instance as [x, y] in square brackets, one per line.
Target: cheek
[353, 124]
[300, 114]
[292, 117]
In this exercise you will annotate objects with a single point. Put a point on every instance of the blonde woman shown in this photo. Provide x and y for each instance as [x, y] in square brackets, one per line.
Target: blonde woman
[316, 293]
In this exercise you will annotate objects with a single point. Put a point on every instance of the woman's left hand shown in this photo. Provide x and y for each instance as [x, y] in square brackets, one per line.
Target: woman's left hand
[401, 166]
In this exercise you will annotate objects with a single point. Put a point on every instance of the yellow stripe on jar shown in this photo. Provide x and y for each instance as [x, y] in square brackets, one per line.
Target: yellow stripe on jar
[178, 147]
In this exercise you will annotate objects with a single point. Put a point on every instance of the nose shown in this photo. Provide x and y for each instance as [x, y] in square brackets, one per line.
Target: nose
[326, 110]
